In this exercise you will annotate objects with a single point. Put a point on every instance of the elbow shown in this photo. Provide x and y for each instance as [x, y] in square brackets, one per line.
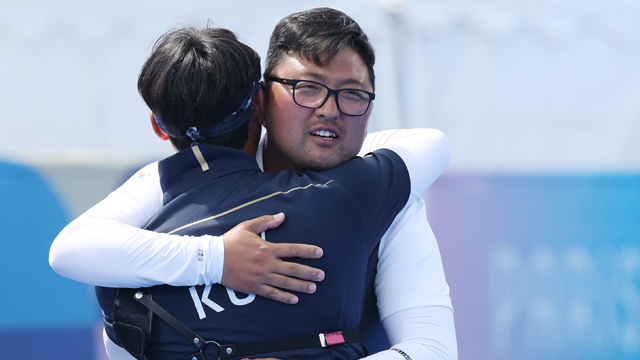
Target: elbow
[442, 148]
[439, 157]
[61, 252]
[55, 257]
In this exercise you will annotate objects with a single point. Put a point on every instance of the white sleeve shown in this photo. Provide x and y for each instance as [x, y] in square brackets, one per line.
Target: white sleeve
[412, 291]
[410, 272]
[425, 152]
[105, 247]
[423, 333]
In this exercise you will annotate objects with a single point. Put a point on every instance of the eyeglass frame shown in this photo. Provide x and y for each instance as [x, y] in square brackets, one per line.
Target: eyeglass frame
[294, 82]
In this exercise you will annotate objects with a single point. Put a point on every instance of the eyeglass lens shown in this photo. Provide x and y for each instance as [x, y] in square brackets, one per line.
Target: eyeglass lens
[351, 102]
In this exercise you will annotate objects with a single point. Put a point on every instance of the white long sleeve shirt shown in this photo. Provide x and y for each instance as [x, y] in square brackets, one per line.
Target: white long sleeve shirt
[106, 247]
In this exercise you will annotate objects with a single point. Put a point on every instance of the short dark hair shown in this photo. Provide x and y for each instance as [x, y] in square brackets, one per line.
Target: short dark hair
[195, 78]
[318, 35]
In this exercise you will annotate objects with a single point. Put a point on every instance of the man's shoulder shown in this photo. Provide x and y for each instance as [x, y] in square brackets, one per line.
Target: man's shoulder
[375, 181]
[381, 160]
[380, 171]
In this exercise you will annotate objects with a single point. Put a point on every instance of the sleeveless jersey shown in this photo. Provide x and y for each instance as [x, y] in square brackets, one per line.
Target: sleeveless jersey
[344, 210]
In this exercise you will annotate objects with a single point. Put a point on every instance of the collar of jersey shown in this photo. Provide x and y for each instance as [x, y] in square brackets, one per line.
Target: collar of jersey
[183, 171]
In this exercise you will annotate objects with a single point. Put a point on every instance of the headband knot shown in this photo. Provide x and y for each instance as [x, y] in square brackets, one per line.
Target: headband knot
[194, 134]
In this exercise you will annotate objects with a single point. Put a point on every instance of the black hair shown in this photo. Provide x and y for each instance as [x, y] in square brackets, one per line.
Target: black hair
[318, 35]
[196, 77]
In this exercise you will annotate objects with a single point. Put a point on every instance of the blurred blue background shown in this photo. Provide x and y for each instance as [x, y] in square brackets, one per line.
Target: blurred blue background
[537, 218]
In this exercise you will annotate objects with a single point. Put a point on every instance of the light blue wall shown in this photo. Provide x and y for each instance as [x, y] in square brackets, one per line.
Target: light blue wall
[39, 310]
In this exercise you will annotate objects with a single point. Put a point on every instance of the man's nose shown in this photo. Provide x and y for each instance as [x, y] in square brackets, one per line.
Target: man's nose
[329, 109]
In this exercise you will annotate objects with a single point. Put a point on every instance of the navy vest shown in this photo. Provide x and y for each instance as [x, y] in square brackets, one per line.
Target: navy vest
[344, 210]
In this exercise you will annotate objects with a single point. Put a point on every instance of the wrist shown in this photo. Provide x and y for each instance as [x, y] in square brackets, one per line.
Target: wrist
[215, 261]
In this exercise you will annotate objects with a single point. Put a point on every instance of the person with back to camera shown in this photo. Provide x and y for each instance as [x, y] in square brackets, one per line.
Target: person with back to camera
[329, 113]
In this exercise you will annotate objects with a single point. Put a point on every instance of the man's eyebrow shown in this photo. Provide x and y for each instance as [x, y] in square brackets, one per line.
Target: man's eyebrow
[322, 78]
[347, 82]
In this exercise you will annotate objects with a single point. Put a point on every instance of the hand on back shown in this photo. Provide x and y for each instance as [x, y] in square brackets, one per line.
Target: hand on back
[253, 265]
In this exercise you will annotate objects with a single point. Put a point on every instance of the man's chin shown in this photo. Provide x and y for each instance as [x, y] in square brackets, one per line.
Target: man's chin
[319, 164]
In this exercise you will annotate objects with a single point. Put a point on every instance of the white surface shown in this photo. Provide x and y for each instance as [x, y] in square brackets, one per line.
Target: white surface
[535, 85]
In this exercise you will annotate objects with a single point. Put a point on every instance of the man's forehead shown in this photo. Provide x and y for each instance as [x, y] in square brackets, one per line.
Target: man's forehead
[346, 68]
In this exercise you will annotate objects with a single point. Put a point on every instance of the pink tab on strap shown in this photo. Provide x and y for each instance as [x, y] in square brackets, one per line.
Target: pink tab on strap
[334, 338]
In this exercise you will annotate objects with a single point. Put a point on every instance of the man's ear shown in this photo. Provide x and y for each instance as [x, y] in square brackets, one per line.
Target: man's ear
[262, 99]
[254, 130]
[257, 118]
[156, 128]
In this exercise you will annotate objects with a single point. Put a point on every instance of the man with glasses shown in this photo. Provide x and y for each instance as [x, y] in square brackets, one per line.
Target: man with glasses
[301, 137]
[305, 147]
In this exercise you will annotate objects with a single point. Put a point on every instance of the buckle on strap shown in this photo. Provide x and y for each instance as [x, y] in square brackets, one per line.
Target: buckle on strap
[329, 339]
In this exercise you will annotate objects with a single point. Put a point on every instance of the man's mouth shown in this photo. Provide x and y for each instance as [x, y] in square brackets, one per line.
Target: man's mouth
[325, 134]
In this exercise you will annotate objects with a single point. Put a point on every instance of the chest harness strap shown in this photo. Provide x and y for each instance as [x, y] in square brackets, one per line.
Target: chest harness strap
[245, 349]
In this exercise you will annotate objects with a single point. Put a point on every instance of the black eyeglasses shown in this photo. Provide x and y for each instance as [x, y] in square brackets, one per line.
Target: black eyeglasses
[312, 95]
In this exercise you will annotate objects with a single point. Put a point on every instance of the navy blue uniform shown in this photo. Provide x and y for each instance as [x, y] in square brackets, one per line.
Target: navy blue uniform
[344, 210]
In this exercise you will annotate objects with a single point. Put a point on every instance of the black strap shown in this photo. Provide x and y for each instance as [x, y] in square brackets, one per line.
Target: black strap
[281, 344]
[171, 320]
[258, 347]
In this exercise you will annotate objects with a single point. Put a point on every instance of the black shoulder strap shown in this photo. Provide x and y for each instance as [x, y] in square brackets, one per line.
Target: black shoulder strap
[170, 319]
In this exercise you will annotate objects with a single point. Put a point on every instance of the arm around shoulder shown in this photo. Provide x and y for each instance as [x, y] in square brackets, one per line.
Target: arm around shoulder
[106, 247]
[425, 152]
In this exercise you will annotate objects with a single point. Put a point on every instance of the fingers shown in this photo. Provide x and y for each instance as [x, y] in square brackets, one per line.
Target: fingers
[270, 292]
[263, 223]
[298, 271]
[272, 288]
[304, 251]
[290, 283]
[253, 265]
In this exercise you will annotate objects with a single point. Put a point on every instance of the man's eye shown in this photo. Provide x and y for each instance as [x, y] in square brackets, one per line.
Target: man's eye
[307, 86]
[354, 95]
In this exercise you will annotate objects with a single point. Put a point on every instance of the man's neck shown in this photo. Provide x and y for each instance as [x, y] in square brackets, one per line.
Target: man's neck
[269, 160]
